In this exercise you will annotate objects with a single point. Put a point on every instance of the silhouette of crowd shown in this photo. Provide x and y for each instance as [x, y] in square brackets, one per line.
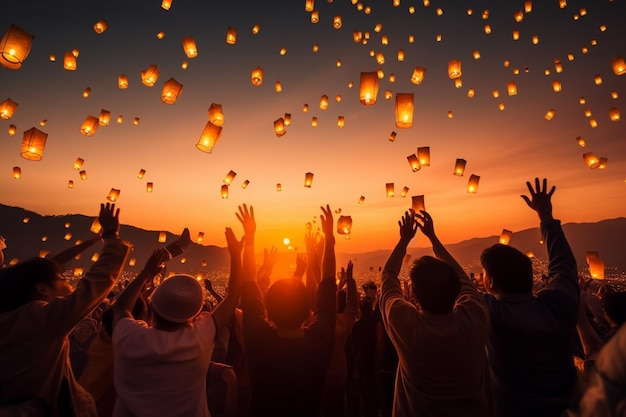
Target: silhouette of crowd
[314, 344]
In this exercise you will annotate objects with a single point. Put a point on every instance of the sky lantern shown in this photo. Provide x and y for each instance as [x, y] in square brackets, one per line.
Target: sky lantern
[314, 121]
[619, 65]
[511, 88]
[162, 237]
[593, 123]
[495, 93]
[357, 36]
[7, 109]
[69, 61]
[423, 155]
[309, 5]
[596, 265]
[120, 119]
[149, 187]
[43, 122]
[550, 114]
[132, 261]
[231, 35]
[305, 108]
[411, 38]
[472, 184]
[528, 6]
[287, 119]
[166, 4]
[200, 237]
[279, 187]
[505, 237]
[337, 22]
[603, 162]
[78, 163]
[279, 127]
[324, 102]
[438, 37]
[12, 130]
[122, 82]
[33, 144]
[141, 173]
[344, 225]
[216, 115]
[380, 58]
[315, 16]
[76, 52]
[209, 137]
[476, 54]
[614, 114]
[417, 203]
[89, 126]
[404, 110]
[160, 35]
[418, 75]
[556, 86]
[516, 35]
[389, 189]
[82, 174]
[171, 90]
[136, 121]
[224, 191]
[454, 68]
[15, 47]
[17, 173]
[114, 194]
[70, 184]
[308, 179]
[256, 29]
[150, 75]
[518, 16]
[100, 26]
[384, 39]
[368, 90]
[316, 47]
[338, 97]
[535, 40]
[404, 192]
[190, 47]
[257, 76]
[471, 93]
[597, 79]
[587, 112]
[487, 29]
[591, 160]
[380, 73]
[580, 141]
[401, 55]
[458, 83]
[341, 122]
[413, 162]
[459, 167]
[361, 200]
[86, 92]
[278, 87]
[282, 51]
[245, 184]
[614, 95]
[392, 136]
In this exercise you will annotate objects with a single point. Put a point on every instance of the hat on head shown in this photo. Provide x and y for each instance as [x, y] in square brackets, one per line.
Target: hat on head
[178, 299]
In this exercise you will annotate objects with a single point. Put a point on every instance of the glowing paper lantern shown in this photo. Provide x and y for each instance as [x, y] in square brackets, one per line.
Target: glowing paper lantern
[104, 118]
[556, 86]
[309, 5]
[459, 167]
[324, 102]
[278, 87]
[256, 29]
[122, 81]
[472, 185]
[528, 6]
[162, 237]
[315, 16]
[231, 35]
[596, 265]
[257, 76]
[150, 75]
[516, 35]
[113, 195]
[209, 137]
[597, 80]
[287, 119]
[316, 48]
[141, 173]
[308, 179]
[487, 29]
[389, 189]
[7, 109]
[368, 90]
[505, 237]
[200, 237]
[136, 121]
[603, 162]
[400, 55]
[337, 22]
[14, 47]
[82, 174]
[404, 110]
[414, 162]
[12, 130]
[190, 48]
[593, 123]
[341, 122]
[580, 141]
[361, 200]
[314, 121]
[149, 187]
[535, 39]
[614, 114]
[587, 112]
[404, 192]
[418, 75]
[392, 136]
[470, 93]
[591, 160]
[78, 164]
[89, 126]
[132, 261]
[344, 225]
[511, 88]
[279, 187]
[120, 119]
[458, 83]
[476, 54]
[69, 61]
[518, 16]
[245, 184]
[619, 65]
[70, 184]
[216, 115]
[305, 108]
[171, 90]
[166, 4]
[495, 93]
[417, 203]
[100, 26]
[33, 144]
[228, 179]
[614, 95]
[224, 191]
[454, 68]
[423, 155]
[17, 173]
[550, 114]
[279, 127]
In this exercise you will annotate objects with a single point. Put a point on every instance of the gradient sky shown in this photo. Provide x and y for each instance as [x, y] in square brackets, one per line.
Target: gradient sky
[505, 148]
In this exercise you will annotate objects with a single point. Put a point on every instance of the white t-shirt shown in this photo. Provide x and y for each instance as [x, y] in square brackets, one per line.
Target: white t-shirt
[160, 373]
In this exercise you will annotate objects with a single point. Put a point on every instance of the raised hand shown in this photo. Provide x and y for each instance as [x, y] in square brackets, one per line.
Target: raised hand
[109, 220]
[426, 226]
[234, 246]
[327, 221]
[178, 246]
[155, 262]
[408, 226]
[540, 199]
[246, 217]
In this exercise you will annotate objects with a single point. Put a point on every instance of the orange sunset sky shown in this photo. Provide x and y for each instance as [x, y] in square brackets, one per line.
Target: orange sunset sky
[504, 147]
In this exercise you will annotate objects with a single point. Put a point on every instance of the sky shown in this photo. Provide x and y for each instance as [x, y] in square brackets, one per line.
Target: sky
[505, 147]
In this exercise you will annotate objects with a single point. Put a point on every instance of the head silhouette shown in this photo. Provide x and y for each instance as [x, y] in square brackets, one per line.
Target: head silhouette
[436, 284]
[508, 270]
[287, 303]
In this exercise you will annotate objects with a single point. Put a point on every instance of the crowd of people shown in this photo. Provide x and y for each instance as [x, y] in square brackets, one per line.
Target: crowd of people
[312, 344]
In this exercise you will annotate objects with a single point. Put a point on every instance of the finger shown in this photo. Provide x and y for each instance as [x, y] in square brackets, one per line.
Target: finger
[537, 186]
[251, 211]
[117, 214]
[527, 200]
[552, 190]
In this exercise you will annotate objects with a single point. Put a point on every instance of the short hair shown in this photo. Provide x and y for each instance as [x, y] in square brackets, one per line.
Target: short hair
[615, 307]
[510, 270]
[436, 284]
[18, 283]
[287, 303]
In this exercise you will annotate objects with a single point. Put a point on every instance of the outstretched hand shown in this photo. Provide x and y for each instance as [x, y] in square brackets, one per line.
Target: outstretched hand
[109, 219]
[426, 226]
[540, 199]
[408, 226]
[246, 217]
[301, 264]
[327, 221]
[234, 246]
[155, 262]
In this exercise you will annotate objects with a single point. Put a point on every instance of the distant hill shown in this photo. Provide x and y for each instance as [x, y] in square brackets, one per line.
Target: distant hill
[24, 240]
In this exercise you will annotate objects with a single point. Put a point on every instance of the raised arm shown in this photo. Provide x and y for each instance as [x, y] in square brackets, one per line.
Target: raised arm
[208, 285]
[178, 246]
[226, 308]
[408, 228]
[270, 257]
[328, 259]
[246, 217]
[352, 296]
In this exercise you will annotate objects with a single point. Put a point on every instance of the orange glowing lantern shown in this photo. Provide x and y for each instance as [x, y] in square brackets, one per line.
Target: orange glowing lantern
[401, 55]
[414, 162]
[476, 54]
[505, 237]
[316, 48]
[591, 160]
[78, 164]
[228, 179]
[7, 109]
[337, 22]
[341, 122]
[190, 47]
[279, 127]
[614, 95]
[459, 167]
[392, 136]
[69, 61]
[231, 35]
[472, 185]
[287, 119]
[160, 35]
[12, 130]
[171, 90]
[141, 173]
[149, 187]
[132, 261]
[417, 203]
[361, 200]
[305, 108]
[389, 189]
[309, 5]
[404, 110]
[596, 265]
[209, 137]
[535, 39]
[33, 144]
[518, 16]
[344, 225]
[580, 141]
[162, 237]
[404, 192]
[15, 47]
[120, 119]
[166, 4]
[593, 123]
[224, 191]
[487, 29]
[495, 93]
[89, 126]
[245, 184]
[122, 81]
[70, 184]
[100, 26]
[104, 118]
[587, 112]
[136, 121]
[597, 80]
[471, 92]
[528, 6]
[368, 88]
[315, 16]
[278, 87]
[619, 65]
[279, 187]
[614, 114]
[423, 155]
[556, 86]
[150, 75]
[17, 173]
[308, 179]
[511, 88]
[216, 115]
[550, 114]
[45, 252]
[314, 121]
[113, 195]
[418, 75]
[603, 162]
[257, 76]
[458, 83]
[516, 35]
[454, 69]
[82, 174]
[324, 102]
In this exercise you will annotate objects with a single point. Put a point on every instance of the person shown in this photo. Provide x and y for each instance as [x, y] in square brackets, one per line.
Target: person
[38, 309]
[162, 370]
[442, 370]
[614, 311]
[531, 337]
[287, 361]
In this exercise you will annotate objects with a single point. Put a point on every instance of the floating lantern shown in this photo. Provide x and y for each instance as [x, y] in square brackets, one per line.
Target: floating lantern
[82, 174]
[337, 22]
[511, 88]
[439, 11]
[472, 185]
[603, 162]
[70, 184]
[149, 187]
[392, 136]
[570, 57]
[550, 114]
[190, 48]
[597, 80]
[404, 192]
[581, 141]
[316, 47]
[228, 179]
[593, 123]
[412, 9]
[279, 127]
[113, 195]
[15, 47]
[476, 54]
[315, 16]
[216, 115]
[132, 261]
[282, 51]
[619, 65]
[160, 35]
[368, 88]
[95, 227]
[404, 110]
[495, 93]
[614, 114]
[471, 92]
[459, 167]
[256, 29]
[150, 75]
[210, 136]
[324, 102]
[518, 16]
[287, 119]
[90, 125]
[454, 68]
[380, 58]
[7, 109]
[384, 39]
[309, 5]
[378, 27]
[245, 184]
[162, 237]
[33, 144]
[305, 108]
[341, 122]
[556, 86]
[389, 189]
[44, 252]
[361, 200]
[344, 225]
[120, 119]
[417, 203]
[78, 164]
[25, 220]
[278, 87]
[166, 4]
[69, 61]
[141, 173]
[411, 38]
[224, 191]
[308, 179]
[257, 76]
[528, 6]
[17, 173]
[423, 155]
[401, 55]
[458, 83]
[505, 237]
[516, 35]
[357, 36]
[136, 121]
[414, 162]
[418, 75]
[535, 39]
[614, 95]
[43, 122]
[104, 118]
[12, 130]
[314, 121]
[596, 265]
[591, 160]
[487, 29]
[100, 26]
[231, 35]
[279, 187]
[122, 81]
[338, 63]
[171, 90]
[200, 237]
[67, 225]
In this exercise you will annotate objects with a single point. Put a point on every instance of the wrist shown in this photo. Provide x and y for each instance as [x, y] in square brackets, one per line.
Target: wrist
[110, 234]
